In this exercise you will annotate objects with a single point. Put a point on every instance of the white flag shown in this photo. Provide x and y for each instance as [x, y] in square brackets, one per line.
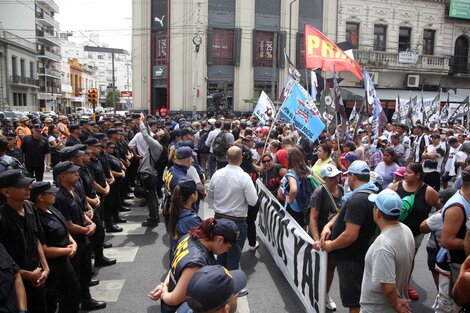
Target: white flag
[264, 109]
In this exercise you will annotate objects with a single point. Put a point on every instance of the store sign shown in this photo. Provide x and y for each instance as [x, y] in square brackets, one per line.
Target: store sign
[408, 57]
[460, 9]
[126, 93]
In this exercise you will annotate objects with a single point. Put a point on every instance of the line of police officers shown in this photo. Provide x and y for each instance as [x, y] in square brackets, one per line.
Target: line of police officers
[48, 234]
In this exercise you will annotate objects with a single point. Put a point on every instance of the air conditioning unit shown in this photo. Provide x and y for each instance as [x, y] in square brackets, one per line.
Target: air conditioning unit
[375, 77]
[412, 81]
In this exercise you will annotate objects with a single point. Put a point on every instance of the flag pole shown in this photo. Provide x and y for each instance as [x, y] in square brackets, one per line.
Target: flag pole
[276, 117]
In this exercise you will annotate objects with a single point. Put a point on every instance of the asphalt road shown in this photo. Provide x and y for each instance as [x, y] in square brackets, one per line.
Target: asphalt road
[142, 256]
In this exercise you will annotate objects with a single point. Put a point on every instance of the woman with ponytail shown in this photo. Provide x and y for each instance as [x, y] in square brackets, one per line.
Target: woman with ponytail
[192, 252]
[182, 216]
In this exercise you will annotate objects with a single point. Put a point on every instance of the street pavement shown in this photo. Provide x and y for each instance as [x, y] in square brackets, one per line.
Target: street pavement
[142, 262]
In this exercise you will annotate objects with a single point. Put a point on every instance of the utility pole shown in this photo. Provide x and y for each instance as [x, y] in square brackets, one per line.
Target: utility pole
[114, 83]
[127, 103]
[197, 40]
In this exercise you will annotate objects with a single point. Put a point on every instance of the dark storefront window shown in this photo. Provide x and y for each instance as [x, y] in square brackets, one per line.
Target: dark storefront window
[222, 46]
[264, 49]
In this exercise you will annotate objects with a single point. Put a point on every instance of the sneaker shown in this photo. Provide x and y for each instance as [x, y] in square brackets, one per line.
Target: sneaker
[330, 304]
[150, 223]
[242, 292]
[253, 248]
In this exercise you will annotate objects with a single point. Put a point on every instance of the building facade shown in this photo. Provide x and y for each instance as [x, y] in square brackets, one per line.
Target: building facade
[222, 52]
[48, 49]
[407, 46]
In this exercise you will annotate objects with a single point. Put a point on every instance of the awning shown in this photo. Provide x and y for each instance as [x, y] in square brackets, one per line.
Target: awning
[353, 93]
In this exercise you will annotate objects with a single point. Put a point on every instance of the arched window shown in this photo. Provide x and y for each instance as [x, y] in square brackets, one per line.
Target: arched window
[461, 55]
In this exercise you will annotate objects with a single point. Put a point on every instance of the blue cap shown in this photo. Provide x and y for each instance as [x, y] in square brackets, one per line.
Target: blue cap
[387, 201]
[212, 286]
[184, 153]
[329, 171]
[351, 156]
[358, 167]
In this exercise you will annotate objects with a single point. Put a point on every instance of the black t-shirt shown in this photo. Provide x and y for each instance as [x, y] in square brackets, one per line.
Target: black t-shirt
[8, 270]
[97, 171]
[321, 202]
[272, 179]
[87, 182]
[20, 235]
[35, 150]
[71, 207]
[55, 228]
[357, 210]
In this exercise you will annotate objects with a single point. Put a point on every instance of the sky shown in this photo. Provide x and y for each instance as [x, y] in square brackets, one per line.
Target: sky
[110, 19]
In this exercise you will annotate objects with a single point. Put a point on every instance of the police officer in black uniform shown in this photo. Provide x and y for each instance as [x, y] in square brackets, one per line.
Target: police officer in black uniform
[22, 235]
[193, 251]
[75, 131]
[87, 131]
[12, 293]
[62, 284]
[75, 155]
[111, 208]
[80, 226]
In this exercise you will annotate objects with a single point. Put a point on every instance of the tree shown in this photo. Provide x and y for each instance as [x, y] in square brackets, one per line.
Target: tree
[109, 98]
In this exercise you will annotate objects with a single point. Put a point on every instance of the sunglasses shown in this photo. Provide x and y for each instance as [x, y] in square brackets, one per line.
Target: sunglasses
[266, 161]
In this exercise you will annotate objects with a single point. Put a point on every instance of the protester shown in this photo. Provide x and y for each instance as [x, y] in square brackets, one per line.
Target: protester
[388, 261]
[324, 158]
[233, 191]
[387, 167]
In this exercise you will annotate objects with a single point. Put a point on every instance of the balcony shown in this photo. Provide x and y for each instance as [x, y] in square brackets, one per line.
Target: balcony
[50, 5]
[47, 37]
[50, 90]
[20, 80]
[49, 55]
[392, 61]
[49, 72]
[46, 20]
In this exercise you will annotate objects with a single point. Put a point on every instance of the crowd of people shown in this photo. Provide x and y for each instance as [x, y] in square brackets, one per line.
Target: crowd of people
[368, 202]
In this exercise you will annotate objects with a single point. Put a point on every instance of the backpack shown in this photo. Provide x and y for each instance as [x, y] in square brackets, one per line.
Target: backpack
[201, 144]
[408, 203]
[305, 190]
[220, 145]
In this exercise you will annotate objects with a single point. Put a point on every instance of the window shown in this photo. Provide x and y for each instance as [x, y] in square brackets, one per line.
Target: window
[428, 41]
[31, 70]
[263, 49]
[160, 47]
[352, 34]
[222, 46]
[380, 37]
[19, 99]
[404, 39]
[22, 68]
[14, 66]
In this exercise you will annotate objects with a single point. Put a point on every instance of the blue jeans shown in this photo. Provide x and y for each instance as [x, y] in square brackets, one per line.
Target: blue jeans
[231, 259]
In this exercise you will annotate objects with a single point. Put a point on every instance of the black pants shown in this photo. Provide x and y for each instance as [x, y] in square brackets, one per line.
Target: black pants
[62, 286]
[81, 263]
[36, 172]
[112, 202]
[36, 298]
[97, 239]
[250, 221]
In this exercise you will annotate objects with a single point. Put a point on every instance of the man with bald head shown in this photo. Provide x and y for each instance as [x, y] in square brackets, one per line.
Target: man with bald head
[232, 191]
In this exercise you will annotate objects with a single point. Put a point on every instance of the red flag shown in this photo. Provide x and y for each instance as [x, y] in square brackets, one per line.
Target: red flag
[323, 53]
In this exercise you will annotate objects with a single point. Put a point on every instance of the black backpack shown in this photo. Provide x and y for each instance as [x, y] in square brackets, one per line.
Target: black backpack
[220, 145]
[201, 144]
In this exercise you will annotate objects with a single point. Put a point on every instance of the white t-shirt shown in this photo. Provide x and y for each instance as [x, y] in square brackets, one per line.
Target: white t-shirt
[459, 157]
[434, 165]
[450, 167]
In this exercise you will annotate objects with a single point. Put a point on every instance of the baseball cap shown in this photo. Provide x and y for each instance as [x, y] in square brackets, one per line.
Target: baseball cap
[401, 171]
[329, 171]
[212, 286]
[70, 152]
[351, 156]
[184, 152]
[227, 229]
[358, 167]
[14, 178]
[92, 142]
[376, 178]
[387, 201]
